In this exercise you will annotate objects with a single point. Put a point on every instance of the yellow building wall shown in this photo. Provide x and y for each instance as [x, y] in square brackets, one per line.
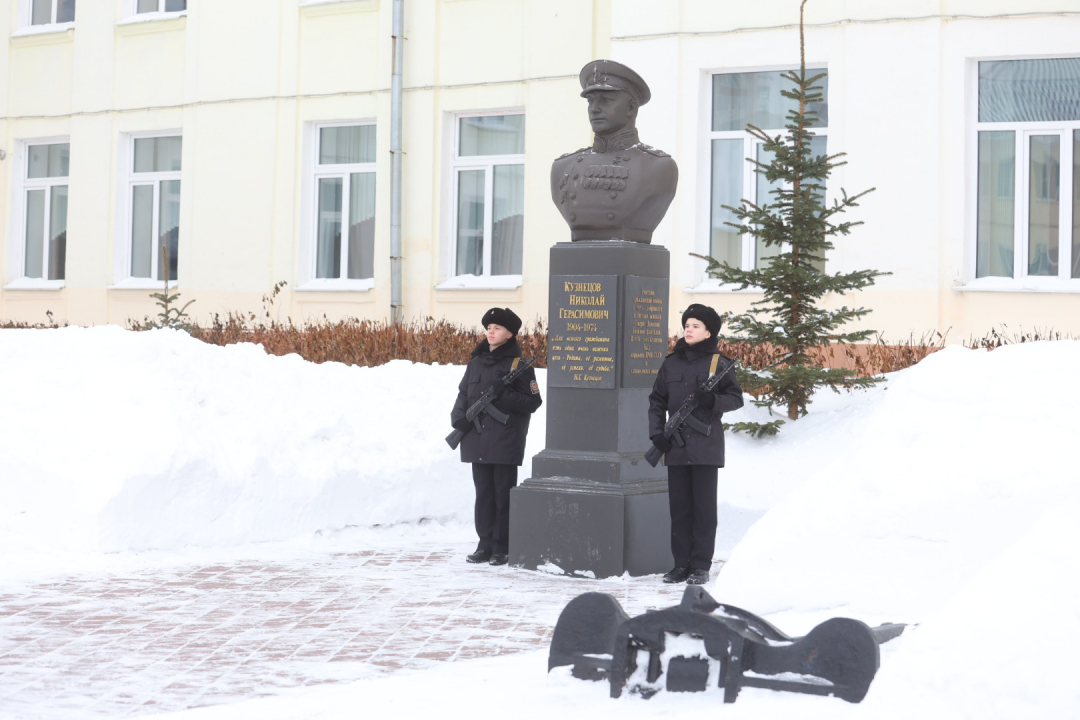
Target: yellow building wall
[246, 87]
[247, 80]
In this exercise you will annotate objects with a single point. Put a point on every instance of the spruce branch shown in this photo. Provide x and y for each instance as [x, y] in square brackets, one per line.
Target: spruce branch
[169, 316]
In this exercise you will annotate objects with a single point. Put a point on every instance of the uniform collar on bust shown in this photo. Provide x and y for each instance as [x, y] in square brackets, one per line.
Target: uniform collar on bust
[616, 142]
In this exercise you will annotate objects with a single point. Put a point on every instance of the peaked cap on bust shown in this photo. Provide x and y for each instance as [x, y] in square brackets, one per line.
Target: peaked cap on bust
[610, 75]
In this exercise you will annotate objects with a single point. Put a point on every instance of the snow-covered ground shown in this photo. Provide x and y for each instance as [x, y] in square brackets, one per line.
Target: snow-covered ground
[946, 498]
[114, 441]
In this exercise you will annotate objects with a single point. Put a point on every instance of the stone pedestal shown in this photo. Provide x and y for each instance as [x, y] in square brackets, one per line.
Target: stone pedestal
[593, 506]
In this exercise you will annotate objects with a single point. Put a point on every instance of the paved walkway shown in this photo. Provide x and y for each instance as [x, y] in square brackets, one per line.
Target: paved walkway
[122, 646]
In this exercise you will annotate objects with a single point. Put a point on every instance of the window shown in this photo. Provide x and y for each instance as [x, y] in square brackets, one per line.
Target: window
[154, 210]
[488, 169]
[739, 99]
[45, 197]
[51, 12]
[345, 203]
[1028, 177]
[157, 6]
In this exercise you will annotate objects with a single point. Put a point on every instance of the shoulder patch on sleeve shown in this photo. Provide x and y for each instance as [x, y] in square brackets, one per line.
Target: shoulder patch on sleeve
[534, 387]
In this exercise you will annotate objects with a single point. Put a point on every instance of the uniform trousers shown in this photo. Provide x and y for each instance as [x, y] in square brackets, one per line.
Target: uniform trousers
[492, 510]
[692, 500]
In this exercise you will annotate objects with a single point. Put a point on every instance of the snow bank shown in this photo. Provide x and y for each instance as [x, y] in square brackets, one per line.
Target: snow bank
[1002, 647]
[927, 481]
[112, 440]
[949, 500]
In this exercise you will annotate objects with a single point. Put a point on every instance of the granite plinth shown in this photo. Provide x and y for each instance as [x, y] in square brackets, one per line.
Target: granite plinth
[593, 506]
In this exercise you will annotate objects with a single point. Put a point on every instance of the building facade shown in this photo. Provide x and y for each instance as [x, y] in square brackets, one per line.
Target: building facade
[234, 144]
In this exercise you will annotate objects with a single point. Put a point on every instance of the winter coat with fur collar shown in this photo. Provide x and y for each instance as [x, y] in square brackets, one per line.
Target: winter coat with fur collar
[496, 444]
[684, 371]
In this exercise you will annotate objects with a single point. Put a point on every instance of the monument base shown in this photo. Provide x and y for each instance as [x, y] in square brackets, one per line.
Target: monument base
[590, 529]
[593, 506]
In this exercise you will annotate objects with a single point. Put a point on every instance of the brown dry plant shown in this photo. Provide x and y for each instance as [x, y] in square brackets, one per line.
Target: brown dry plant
[374, 342]
[364, 342]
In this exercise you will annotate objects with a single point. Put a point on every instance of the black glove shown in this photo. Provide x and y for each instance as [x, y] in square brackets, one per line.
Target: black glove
[662, 443]
[705, 398]
[462, 424]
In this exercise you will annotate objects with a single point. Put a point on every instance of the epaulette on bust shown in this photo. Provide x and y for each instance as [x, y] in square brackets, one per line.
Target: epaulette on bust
[573, 152]
[652, 151]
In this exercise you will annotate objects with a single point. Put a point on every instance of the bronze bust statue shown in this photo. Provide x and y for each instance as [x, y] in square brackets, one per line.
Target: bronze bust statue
[620, 188]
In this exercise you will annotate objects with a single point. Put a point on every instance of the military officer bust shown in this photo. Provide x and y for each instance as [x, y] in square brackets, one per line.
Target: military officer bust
[620, 188]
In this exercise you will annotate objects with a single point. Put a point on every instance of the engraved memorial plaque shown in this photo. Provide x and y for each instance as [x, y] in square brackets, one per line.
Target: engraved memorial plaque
[581, 331]
[645, 339]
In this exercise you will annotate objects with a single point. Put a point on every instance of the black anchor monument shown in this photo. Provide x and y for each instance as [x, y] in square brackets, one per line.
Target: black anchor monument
[593, 506]
[702, 644]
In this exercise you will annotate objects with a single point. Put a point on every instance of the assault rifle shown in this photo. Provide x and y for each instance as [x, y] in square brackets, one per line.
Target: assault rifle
[684, 417]
[483, 405]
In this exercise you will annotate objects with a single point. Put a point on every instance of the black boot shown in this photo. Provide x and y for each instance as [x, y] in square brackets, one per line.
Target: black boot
[698, 577]
[677, 575]
[498, 559]
[480, 556]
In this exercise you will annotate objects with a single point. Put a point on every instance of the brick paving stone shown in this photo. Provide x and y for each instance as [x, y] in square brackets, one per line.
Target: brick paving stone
[126, 645]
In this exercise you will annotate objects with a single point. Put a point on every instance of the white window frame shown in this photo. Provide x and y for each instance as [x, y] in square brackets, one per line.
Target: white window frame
[131, 14]
[1022, 132]
[309, 255]
[487, 163]
[129, 179]
[26, 9]
[749, 187]
[23, 183]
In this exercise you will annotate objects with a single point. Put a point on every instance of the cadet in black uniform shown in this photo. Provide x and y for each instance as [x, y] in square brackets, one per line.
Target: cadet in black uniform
[693, 469]
[497, 450]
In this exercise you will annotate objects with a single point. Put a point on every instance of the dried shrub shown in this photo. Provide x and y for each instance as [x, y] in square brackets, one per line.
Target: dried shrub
[353, 341]
[995, 339]
[20, 325]
[369, 342]
[866, 359]
[364, 342]
[883, 356]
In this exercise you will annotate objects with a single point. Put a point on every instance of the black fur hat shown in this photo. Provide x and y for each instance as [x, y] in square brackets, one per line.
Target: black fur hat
[706, 315]
[504, 317]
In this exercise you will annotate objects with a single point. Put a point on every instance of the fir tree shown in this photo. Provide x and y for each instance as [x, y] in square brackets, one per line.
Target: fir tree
[170, 316]
[798, 222]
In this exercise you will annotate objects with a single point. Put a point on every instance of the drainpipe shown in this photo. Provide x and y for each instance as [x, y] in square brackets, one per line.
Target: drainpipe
[395, 163]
